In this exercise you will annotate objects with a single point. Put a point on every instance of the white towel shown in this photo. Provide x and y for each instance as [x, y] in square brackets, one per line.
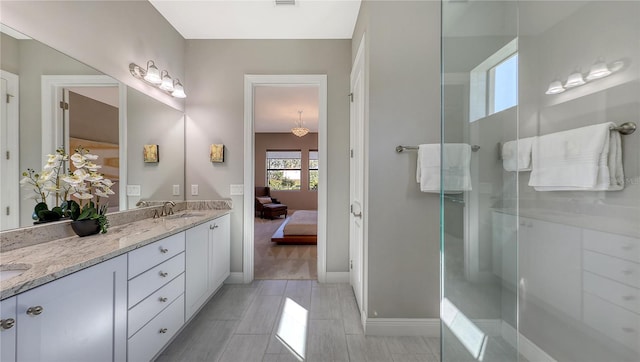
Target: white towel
[456, 167]
[516, 155]
[587, 159]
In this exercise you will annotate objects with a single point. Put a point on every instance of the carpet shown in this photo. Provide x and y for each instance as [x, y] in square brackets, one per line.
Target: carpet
[273, 261]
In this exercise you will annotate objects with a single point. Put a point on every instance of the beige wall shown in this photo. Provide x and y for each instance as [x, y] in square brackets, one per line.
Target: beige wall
[304, 199]
[403, 107]
[215, 113]
[93, 120]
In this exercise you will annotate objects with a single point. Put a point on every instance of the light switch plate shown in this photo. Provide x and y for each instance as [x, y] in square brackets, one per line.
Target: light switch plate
[194, 190]
[133, 190]
[236, 190]
[176, 190]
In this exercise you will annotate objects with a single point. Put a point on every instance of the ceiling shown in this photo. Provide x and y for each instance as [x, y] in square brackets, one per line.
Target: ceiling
[260, 19]
[276, 108]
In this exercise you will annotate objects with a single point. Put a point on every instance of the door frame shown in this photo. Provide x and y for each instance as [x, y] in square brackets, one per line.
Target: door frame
[53, 118]
[250, 82]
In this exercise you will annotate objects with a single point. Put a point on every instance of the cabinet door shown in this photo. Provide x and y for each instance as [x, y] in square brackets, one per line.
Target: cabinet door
[197, 268]
[80, 317]
[8, 330]
[553, 269]
[220, 251]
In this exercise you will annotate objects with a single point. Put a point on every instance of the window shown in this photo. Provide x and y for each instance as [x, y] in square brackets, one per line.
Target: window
[313, 170]
[494, 83]
[503, 85]
[283, 170]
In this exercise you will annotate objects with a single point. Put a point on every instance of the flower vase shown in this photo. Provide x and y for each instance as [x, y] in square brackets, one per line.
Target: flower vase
[85, 227]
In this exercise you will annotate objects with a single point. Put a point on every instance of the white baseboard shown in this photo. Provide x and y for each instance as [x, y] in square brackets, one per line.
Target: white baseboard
[428, 327]
[337, 277]
[526, 348]
[235, 278]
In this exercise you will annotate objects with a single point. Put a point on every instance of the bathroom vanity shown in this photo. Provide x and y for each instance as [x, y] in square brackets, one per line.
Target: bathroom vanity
[117, 296]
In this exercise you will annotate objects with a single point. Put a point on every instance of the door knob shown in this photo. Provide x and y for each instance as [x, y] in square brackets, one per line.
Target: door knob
[7, 323]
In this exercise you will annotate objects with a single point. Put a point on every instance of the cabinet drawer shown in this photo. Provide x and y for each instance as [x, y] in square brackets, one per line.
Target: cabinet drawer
[153, 254]
[154, 304]
[145, 344]
[623, 271]
[153, 279]
[612, 291]
[620, 246]
[613, 321]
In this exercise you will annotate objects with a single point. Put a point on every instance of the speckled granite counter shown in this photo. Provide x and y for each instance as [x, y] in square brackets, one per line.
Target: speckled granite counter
[54, 259]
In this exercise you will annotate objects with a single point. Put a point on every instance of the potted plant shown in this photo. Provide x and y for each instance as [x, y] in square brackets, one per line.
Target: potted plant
[86, 183]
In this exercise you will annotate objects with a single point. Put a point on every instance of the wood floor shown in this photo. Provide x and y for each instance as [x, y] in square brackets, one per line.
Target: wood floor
[274, 261]
[239, 323]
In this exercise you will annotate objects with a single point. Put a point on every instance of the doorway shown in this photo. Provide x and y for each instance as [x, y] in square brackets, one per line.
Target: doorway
[252, 85]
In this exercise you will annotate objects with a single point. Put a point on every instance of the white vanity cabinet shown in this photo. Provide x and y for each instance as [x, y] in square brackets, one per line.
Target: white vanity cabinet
[156, 296]
[80, 317]
[8, 329]
[208, 261]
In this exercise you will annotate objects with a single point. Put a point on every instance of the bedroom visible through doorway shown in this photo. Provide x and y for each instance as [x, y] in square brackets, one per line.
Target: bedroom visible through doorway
[286, 182]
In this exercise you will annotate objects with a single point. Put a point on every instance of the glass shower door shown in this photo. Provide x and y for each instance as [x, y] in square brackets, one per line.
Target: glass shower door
[479, 221]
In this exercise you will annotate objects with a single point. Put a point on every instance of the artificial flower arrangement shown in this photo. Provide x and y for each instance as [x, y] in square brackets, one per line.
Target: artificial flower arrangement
[84, 183]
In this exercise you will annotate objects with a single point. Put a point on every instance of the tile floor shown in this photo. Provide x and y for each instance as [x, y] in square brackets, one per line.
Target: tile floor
[239, 323]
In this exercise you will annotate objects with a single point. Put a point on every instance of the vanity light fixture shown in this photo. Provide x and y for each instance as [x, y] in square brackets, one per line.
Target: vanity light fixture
[162, 80]
[574, 80]
[555, 87]
[299, 130]
[599, 69]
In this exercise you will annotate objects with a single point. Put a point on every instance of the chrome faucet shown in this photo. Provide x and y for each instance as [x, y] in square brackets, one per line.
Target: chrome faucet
[171, 204]
[142, 203]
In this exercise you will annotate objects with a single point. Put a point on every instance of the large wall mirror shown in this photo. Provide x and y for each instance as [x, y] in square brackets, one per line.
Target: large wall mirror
[51, 100]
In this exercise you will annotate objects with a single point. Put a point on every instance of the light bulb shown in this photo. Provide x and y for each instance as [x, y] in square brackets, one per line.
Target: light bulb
[574, 80]
[152, 74]
[167, 82]
[555, 87]
[598, 70]
[178, 90]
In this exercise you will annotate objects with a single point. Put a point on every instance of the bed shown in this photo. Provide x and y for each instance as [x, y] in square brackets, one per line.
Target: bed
[300, 228]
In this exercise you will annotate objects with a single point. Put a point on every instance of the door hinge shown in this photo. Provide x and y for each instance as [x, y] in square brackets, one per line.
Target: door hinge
[9, 97]
[8, 155]
[8, 211]
[351, 264]
[351, 152]
[64, 105]
[351, 97]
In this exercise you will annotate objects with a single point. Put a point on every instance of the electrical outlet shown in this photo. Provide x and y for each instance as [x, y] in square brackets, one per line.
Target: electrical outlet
[194, 190]
[176, 190]
[133, 190]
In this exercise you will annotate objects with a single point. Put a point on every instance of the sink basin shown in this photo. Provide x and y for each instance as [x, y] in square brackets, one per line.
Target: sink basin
[8, 271]
[185, 215]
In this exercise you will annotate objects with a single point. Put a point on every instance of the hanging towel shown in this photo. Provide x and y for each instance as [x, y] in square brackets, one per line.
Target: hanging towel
[516, 155]
[456, 167]
[587, 159]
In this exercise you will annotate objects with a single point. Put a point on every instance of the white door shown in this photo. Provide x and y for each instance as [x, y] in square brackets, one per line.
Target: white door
[9, 169]
[356, 227]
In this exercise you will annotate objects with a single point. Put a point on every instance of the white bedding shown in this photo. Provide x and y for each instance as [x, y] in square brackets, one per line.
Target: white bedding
[302, 222]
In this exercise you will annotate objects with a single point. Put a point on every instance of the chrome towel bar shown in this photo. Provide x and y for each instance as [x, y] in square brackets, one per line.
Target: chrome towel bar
[399, 149]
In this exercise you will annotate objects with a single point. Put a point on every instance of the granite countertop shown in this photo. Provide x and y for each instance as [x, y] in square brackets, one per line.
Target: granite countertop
[54, 259]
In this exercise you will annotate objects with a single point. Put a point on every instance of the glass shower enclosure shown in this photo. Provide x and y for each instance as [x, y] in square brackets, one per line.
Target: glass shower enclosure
[540, 200]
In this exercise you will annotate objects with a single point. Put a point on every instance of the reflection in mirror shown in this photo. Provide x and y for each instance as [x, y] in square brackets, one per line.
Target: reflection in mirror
[96, 112]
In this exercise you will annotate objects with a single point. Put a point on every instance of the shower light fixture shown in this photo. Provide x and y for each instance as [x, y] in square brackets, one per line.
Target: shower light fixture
[161, 80]
[599, 69]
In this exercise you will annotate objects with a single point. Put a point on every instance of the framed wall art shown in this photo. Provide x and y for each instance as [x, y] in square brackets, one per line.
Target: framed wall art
[216, 153]
[151, 154]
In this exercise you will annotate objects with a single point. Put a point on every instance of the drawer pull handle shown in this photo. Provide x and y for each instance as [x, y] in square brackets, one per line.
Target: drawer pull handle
[627, 272]
[214, 226]
[163, 299]
[7, 323]
[628, 329]
[32, 311]
[163, 274]
[628, 297]
[163, 330]
[163, 250]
